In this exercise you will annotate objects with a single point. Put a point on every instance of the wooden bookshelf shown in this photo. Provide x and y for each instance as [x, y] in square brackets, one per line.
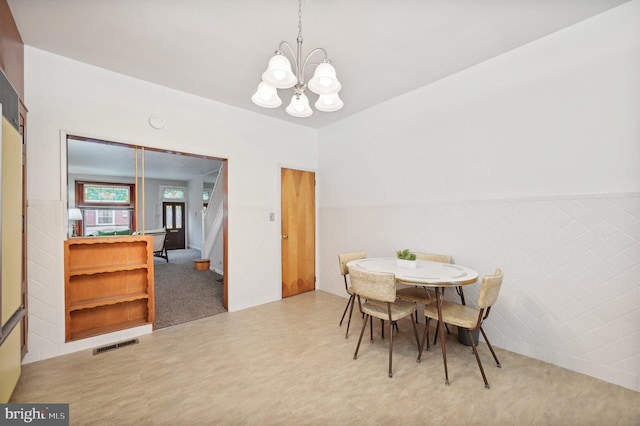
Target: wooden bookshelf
[108, 284]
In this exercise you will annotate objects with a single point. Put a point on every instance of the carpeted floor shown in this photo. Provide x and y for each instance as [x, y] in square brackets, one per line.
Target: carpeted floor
[182, 293]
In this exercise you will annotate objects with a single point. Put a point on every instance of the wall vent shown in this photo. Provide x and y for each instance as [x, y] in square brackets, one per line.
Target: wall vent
[113, 346]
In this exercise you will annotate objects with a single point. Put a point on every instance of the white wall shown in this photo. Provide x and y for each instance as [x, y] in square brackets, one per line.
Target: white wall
[67, 96]
[153, 202]
[194, 213]
[528, 162]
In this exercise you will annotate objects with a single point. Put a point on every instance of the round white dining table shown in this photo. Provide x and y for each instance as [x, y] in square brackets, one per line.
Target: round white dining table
[427, 274]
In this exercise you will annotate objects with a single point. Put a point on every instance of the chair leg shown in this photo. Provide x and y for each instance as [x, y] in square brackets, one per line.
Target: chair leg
[353, 302]
[391, 347]
[490, 348]
[395, 326]
[415, 332]
[364, 325]
[371, 328]
[446, 326]
[350, 303]
[425, 339]
[346, 308]
[475, 352]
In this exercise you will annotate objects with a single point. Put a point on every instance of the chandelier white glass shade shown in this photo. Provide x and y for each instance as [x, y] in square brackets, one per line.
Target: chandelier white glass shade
[280, 74]
[299, 106]
[266, 96]
[329, 103]
[324, 81]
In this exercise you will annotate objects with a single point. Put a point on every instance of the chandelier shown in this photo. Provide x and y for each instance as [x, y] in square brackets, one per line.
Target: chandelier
[280, 75]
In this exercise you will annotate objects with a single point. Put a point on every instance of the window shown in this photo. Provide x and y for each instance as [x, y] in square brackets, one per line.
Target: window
[107, 208]
[172, 193]
[106, 194]
[105, 217]
[168, 216]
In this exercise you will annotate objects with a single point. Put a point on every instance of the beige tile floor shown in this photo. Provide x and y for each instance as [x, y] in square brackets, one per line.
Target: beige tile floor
[288, 362]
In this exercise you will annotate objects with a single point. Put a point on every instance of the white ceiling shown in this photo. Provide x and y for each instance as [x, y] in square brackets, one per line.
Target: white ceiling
[218, 49]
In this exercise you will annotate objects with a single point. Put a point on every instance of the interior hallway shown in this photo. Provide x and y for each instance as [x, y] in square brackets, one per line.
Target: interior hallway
[288, 362]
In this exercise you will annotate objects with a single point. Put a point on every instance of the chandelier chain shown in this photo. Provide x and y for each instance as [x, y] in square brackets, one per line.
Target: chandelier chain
[300, 19]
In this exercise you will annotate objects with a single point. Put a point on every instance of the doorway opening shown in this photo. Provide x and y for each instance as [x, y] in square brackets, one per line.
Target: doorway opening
[130, 192]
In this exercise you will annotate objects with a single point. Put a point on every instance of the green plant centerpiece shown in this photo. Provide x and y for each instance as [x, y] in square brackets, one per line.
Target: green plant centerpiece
[406, 254]
[406, 259]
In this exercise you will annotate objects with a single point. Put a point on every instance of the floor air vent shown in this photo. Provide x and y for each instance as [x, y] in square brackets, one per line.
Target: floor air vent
[113, 346]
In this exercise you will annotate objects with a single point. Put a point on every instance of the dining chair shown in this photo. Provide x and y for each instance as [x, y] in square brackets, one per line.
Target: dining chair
[420, 295]
[159, 242]
[468, 318]
[379, 291]
[343, 259]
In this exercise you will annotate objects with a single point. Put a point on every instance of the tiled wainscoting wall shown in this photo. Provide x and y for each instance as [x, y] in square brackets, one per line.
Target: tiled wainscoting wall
[45, 269]
[571, 292]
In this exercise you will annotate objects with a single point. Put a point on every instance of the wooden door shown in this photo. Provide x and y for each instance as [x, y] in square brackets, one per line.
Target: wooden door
[298, 231]
[173, 219]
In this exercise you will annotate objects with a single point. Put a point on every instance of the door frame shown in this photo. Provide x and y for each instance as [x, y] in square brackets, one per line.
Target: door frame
[65, 134]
